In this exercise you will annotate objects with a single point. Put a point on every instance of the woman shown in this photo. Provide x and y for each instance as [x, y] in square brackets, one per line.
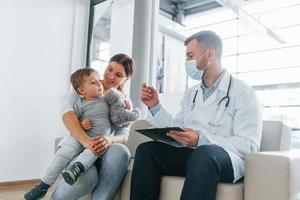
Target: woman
[115, 157]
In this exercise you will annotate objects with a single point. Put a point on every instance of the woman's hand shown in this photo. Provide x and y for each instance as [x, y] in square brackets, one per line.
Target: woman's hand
[149, 96]
[101, 146]
[109, 139]
[86, 124]
[98, 145]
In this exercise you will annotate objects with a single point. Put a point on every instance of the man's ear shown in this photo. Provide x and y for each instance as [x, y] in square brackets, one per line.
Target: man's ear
[211, 53]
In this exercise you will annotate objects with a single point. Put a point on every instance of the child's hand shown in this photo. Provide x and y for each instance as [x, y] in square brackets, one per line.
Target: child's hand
[86, 124]
[127, 104]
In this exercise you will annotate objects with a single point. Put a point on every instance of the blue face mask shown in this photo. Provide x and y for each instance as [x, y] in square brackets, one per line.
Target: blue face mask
[192, 70]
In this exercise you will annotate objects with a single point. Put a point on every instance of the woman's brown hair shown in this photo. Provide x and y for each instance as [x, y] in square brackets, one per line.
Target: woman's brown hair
[128, 64]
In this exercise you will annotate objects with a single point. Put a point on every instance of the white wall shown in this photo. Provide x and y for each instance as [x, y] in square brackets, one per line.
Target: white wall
[40, 42]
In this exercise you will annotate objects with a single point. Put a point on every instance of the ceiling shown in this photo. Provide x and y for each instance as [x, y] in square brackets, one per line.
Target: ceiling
[172, 9]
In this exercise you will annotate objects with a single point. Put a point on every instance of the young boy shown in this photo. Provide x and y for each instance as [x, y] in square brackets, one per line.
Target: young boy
[90, 105]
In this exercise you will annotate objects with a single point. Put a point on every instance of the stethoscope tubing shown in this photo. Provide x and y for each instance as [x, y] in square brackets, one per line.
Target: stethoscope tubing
[223, 98]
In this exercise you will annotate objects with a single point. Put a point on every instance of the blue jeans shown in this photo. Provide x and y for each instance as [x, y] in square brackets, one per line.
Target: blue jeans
[103, 184]
[203, 168]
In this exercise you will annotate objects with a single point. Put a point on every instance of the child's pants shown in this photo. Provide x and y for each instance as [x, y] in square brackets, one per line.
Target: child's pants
[64, 155]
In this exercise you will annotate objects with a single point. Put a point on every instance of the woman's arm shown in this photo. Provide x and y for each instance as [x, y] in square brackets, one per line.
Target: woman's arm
[98, 145]
[115, 139]
[120, 136]
[72, 123]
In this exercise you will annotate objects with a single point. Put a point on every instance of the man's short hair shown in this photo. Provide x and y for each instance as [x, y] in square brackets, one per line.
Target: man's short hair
[209, 39]
[77, 78]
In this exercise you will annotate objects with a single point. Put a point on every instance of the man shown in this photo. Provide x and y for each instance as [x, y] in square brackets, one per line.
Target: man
[221, 119]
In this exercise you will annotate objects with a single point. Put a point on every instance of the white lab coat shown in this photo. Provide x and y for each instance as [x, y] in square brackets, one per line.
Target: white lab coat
[237, 128]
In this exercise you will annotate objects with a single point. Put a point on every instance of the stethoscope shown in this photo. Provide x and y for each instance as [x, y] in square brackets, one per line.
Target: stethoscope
[226, 99]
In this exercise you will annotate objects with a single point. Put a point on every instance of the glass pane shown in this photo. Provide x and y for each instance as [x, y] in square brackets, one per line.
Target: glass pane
[222, 21]
[230, 63]
[270, 59]
[296, 139]
[255, 42]
[290, 34]
[160, 64]
[226, 29]
[285, 16]
[170, 69]
[100, 44]
[266, 6]
[230, 46]
[174, 59]
[280, 97]
[271, 77]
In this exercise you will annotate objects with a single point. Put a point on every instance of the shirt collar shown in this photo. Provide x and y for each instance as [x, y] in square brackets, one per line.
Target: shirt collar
[218, 83]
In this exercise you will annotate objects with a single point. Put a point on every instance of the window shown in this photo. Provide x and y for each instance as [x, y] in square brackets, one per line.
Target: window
[272, 68]
[99, 49]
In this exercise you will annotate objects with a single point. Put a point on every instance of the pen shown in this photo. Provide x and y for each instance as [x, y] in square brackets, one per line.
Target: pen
[194, 100]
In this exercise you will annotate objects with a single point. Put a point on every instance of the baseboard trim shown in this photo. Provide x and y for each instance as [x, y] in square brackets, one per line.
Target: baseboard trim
[21, 182]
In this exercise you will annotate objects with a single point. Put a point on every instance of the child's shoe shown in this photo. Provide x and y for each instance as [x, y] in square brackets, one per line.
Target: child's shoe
[71, 175]
[38, 192]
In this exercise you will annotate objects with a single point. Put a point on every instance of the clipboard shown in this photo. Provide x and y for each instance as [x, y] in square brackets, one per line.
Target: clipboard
[160, 134]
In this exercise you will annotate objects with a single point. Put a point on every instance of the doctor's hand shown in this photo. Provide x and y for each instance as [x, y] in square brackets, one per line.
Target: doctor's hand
[149, 95]
[187, 138]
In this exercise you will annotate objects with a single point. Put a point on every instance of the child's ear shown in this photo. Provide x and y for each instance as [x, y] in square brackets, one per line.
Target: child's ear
[80, 90]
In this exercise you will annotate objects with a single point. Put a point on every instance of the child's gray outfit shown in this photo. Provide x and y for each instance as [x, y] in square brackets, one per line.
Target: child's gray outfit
[98, 112]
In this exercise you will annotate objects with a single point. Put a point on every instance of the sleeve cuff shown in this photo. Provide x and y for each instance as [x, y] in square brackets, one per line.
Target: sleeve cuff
[203, 140]
[155, 109]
